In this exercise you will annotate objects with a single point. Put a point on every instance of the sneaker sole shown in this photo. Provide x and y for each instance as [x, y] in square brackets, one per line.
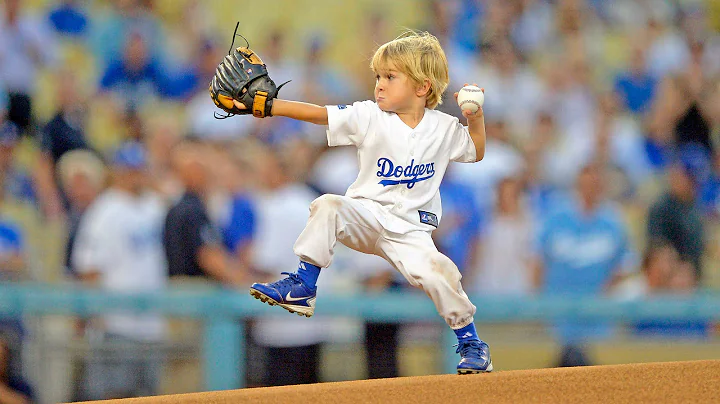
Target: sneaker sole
[299, 310]
[474, 372]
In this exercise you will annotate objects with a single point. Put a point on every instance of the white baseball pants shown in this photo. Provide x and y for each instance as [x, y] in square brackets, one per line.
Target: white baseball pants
[340, 218]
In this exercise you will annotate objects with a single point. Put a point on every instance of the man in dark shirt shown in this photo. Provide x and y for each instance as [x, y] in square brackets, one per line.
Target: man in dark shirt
[675, 218]
[193, 244]
[63, 133]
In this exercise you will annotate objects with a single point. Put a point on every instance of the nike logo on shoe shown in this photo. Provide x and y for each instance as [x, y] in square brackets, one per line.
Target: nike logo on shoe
[289, 298]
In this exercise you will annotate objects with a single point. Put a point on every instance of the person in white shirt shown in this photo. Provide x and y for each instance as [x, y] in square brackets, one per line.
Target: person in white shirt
[118, 249]
[27, 44]
[292, 344]
[404, 147]
[505, 258]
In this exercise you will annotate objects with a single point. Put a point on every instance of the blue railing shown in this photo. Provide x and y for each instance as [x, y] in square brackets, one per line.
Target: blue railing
[221, 310]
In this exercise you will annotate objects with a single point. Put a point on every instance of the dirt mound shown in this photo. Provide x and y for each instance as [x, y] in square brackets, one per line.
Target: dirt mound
[676, 382]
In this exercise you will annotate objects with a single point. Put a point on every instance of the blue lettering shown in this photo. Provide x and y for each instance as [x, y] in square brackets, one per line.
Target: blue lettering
[412, 173]
[386, 167]
[408, 169]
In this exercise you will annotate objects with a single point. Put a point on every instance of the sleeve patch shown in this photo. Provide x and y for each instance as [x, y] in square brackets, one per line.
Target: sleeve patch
[428, 218]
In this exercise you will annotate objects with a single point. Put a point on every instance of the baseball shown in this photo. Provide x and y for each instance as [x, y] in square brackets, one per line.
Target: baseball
[470, 98]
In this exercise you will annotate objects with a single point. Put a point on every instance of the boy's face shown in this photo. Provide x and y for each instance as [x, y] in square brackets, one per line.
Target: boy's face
[394, 91]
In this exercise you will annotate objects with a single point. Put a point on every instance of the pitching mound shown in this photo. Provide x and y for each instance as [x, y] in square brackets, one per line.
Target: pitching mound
[676, 382]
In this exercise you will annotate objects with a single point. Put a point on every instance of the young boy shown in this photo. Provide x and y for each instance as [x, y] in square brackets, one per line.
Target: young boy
[404, 147]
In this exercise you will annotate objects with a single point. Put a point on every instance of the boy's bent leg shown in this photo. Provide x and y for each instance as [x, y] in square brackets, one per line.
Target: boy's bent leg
[416, 257]
[332, 218]
[423, 266]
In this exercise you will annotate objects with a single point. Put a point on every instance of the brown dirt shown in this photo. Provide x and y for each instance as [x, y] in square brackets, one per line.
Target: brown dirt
[676, 382]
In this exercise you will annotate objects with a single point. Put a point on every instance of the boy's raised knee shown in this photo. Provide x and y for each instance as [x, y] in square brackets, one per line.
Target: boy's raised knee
[327, 201]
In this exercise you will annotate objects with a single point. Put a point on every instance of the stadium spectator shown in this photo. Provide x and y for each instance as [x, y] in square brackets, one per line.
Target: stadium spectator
[619, 145]
[238, 229]
[583, 250]
[568, 89]
[15, 184]
[26, 46]
[292, 343]
[161, 138]
[320, 81]
[382, 339]
[13, 389]
[636, 86]
[663, 273]
[467, 26]
[667, 50]
[63, 133]
[544, 148]
[118, 249]
[13, 268]
[275, 54]
[69, 18]
[137, 77]
[82, 178]
[684, 102]
[675, 216]
[533, 28]
[193, 242]
[117, 21]
[460, 229]
[12, 250]
[710, 191]
[502, 159]
[517, 90]
[504, 266]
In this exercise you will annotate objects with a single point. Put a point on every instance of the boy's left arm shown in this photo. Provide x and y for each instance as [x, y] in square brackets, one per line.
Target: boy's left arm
[476, 127]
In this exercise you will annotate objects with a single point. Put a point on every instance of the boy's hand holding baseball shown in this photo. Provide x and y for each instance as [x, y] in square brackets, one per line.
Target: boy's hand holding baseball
[470, 99]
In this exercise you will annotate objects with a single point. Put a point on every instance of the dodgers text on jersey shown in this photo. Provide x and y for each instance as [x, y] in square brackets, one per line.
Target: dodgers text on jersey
[412, 173]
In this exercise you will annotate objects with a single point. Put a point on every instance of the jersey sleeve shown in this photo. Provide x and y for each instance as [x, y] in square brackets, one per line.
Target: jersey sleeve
[462, 147]
[348, 124]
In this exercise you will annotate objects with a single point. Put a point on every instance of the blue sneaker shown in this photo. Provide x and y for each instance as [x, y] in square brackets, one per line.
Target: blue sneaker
[289, 293]
[475, 358]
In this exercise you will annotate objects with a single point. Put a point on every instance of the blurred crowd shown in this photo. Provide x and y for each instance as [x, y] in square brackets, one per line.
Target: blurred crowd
[601, 176]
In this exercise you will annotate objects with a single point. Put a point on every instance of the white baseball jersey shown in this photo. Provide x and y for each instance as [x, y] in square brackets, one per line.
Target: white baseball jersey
[120, 237]
[400, 167]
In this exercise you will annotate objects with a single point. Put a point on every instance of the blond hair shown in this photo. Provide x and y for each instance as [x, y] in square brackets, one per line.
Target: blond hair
[82, 162]
[419, 56]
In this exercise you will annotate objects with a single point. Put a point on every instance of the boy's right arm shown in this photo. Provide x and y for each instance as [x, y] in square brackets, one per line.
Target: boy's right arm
[300, 110]
[296, 110]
